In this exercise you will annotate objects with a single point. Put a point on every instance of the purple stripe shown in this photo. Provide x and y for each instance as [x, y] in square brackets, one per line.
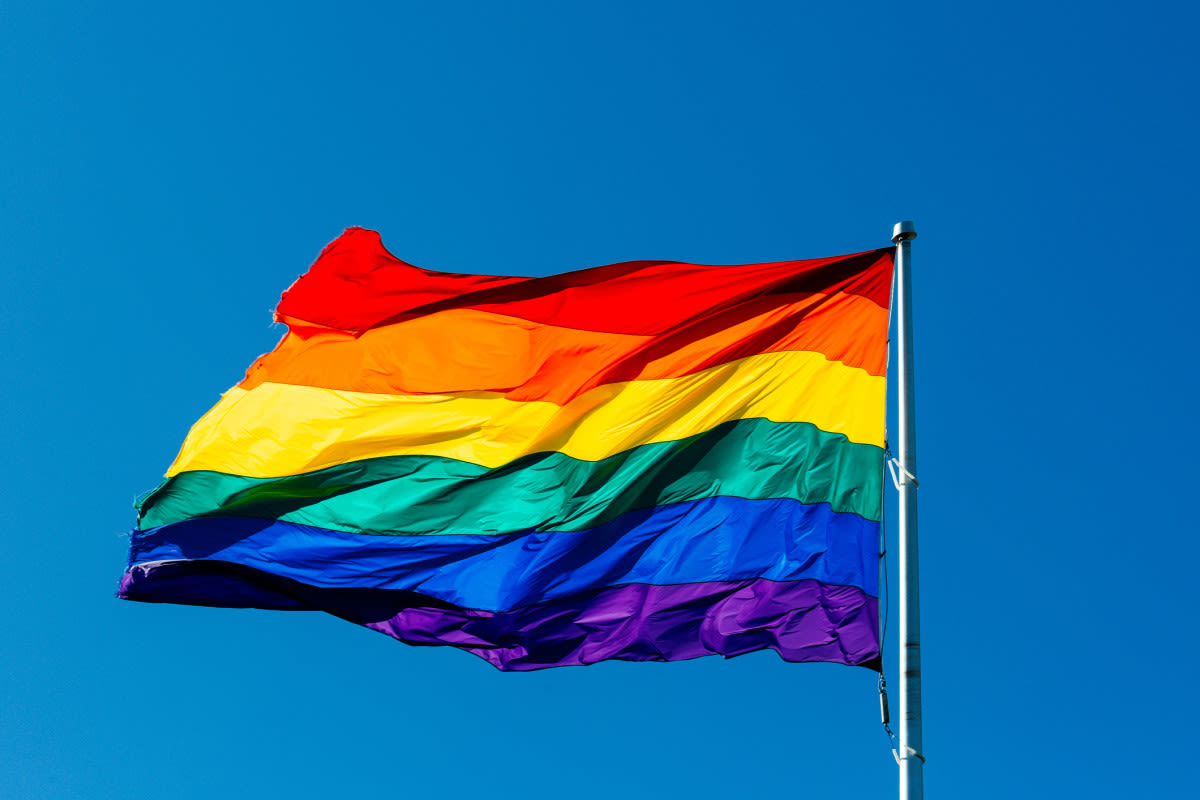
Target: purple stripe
[801, 620]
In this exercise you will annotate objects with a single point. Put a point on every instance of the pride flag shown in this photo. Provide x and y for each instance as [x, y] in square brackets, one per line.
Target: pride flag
[646, 461]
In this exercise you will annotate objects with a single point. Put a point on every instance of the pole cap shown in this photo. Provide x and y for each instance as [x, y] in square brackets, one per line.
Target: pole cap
[904, 231]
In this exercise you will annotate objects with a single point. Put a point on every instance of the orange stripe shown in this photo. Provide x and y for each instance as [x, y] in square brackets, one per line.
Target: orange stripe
[466, 350]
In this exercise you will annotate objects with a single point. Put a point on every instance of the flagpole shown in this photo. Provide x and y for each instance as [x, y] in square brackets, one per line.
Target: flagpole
[909, 753]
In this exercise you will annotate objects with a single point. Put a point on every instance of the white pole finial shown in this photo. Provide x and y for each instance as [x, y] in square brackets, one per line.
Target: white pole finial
[904, 231]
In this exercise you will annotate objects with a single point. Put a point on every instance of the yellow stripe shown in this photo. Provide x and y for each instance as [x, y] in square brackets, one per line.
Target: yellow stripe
[276, 429]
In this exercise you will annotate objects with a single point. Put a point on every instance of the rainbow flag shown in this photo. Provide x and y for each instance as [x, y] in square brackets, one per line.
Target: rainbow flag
[646, 461]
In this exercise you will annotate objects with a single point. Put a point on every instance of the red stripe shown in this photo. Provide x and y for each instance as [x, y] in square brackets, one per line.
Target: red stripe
[356, 284]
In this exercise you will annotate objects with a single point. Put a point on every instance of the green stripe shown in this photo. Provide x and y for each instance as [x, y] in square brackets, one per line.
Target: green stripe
[403, 495]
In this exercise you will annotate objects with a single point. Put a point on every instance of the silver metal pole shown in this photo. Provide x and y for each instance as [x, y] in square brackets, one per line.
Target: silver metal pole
[910, 755]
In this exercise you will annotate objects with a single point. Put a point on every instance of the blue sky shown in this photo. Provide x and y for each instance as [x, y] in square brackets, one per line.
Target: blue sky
[167, 170]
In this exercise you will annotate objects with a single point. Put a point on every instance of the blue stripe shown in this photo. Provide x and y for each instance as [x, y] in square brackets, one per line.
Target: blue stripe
[713, 539]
